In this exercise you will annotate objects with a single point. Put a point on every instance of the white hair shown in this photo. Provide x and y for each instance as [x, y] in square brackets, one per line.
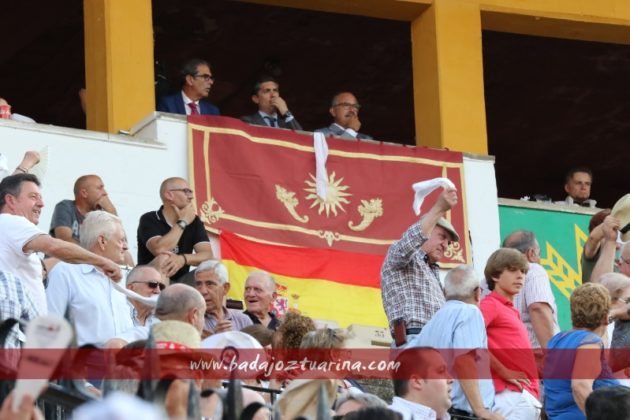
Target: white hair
[216, 267]
[460, 283]
[270, 280]
[95, 224]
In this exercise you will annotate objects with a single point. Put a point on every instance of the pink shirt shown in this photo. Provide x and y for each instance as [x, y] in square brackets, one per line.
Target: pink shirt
[508, 342]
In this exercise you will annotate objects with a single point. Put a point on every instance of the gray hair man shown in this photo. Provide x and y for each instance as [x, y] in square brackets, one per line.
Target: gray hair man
[145, 281]
[178, 302]
[410, 283]
[260, 292]
[459, 325]
[535, 302]
[181, 302]
[21, 205]
[84, 292]
[354, 401]
[211, 280]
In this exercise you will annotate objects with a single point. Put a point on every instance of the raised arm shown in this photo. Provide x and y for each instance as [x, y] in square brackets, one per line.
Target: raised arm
[72, 253]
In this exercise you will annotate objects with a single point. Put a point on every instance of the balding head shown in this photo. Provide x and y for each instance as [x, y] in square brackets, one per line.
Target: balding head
[176, 192]
[168, 184]
[524, 241]
[181, 302]
[89, 190]
[462, 283]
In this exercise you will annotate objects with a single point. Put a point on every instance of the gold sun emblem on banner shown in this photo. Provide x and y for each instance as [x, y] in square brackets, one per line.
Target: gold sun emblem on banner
[335, 195]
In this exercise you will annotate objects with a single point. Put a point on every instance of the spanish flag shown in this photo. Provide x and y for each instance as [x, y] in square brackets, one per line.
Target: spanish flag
[320, 283]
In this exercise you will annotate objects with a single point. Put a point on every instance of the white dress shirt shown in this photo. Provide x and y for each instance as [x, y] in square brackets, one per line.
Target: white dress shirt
[187, 101]
[415, 411]
[88, 298]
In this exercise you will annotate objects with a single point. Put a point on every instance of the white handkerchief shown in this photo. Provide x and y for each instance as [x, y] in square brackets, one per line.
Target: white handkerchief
[149, 301]
[321, 154]
[424, 188]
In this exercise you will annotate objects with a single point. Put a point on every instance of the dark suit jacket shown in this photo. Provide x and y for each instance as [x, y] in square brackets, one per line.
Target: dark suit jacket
[175, 104]
[335, 130]
[257, 119]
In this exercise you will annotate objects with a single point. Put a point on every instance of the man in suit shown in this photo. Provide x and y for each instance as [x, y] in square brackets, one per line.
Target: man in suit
[272, 109]
[197, 80]
[345, 112]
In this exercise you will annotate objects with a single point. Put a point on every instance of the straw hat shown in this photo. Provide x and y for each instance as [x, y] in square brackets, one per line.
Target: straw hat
[621, 211]
[177, 332]
[235, 339]
[302, 395]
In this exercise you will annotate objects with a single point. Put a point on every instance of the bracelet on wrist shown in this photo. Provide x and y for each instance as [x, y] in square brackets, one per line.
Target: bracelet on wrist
[21, 169]
[185, 259]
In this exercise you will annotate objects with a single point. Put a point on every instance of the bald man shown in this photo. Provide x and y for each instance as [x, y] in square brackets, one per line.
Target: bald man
[174, 230]
[89, 195]
[344, 109]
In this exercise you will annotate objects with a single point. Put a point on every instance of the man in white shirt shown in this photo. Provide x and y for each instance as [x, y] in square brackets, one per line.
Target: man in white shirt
[148, 282]
[21, 205]
[83, 292]
[422, 389]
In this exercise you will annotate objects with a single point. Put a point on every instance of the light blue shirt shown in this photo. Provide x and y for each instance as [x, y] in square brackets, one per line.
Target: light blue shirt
[456, 329]
[88, 298]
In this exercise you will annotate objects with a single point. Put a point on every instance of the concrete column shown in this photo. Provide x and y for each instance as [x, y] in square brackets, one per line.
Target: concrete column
[118, 63]
[448, 77]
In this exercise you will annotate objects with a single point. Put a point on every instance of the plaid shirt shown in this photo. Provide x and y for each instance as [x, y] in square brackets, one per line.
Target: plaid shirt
[15, 302]
[410, 285]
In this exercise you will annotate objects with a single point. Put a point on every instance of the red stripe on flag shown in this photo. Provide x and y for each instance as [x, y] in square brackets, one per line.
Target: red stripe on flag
[308, 263]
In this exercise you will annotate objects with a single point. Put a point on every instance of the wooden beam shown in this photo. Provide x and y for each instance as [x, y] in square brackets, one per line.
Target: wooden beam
[405, 10]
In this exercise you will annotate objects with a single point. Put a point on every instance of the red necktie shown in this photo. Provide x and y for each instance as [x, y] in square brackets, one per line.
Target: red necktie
[193, 108]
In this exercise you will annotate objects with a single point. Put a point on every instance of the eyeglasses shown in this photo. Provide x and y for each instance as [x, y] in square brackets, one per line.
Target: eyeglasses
[206, 77]
[622, 259]
[348, 105]
[184, 190]
[152, 284]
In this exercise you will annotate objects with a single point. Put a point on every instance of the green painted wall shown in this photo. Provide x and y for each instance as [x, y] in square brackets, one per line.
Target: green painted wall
[561, 236]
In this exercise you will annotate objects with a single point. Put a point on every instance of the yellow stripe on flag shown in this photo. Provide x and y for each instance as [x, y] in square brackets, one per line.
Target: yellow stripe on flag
[318, 298]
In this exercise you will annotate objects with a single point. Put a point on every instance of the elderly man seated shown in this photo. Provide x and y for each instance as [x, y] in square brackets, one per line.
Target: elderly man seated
[211, 280]
[145, 281]
[260, 292]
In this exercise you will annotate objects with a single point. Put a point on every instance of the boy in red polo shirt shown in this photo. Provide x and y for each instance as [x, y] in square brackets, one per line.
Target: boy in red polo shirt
[514, 370]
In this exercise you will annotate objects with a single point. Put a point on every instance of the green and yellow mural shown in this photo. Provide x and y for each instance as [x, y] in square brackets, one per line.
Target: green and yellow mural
[561, 236]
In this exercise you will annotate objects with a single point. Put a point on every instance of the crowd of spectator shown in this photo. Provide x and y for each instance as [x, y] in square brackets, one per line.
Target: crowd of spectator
[506, 328]
[507, 357]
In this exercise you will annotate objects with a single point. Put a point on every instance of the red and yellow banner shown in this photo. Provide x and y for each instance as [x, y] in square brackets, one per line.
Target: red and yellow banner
[259, 183]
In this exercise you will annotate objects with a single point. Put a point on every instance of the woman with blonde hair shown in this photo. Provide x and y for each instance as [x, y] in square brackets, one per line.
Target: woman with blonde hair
[575, 363]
